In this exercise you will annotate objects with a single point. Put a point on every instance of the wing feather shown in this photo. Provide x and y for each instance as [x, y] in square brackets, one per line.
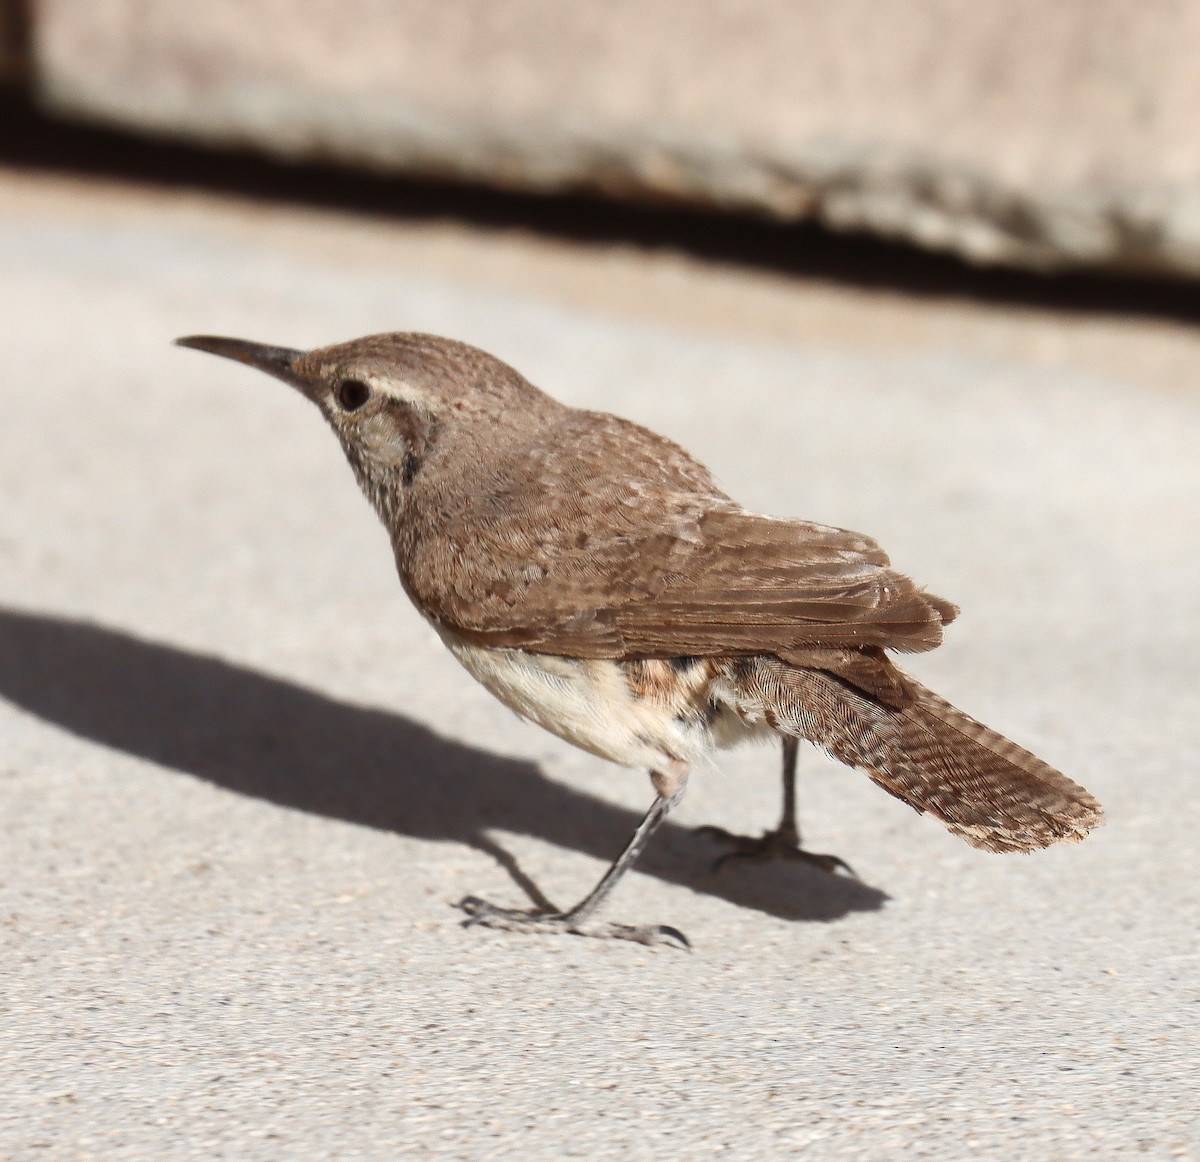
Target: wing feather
[651, 561]
[748, 584]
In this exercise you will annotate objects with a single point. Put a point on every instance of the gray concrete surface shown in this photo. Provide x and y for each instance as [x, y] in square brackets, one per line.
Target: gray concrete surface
[241, 784]
[1010, 131]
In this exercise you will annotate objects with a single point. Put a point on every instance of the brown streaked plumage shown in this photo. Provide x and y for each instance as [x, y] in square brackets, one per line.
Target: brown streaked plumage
[592, 575]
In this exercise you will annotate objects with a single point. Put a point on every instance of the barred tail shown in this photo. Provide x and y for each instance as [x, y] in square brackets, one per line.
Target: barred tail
[993, 793]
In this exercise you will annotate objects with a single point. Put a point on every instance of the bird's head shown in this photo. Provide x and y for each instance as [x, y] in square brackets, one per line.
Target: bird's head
[401, 403]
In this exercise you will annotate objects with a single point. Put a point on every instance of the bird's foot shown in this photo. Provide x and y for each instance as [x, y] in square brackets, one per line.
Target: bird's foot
[777, 844]
[480, 912]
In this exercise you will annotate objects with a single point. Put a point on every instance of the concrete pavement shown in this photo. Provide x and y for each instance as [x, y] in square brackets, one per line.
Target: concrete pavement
[242, 784]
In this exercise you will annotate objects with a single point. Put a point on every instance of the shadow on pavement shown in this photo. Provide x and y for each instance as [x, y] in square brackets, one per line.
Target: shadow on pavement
[273, 740]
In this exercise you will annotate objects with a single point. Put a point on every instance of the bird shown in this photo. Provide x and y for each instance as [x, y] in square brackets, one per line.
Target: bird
[594, 577]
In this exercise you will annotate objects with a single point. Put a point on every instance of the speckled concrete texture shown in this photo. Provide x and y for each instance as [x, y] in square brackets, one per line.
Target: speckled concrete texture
[241, 783]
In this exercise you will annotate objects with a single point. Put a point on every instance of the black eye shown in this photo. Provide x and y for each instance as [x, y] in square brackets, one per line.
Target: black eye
[352, 394]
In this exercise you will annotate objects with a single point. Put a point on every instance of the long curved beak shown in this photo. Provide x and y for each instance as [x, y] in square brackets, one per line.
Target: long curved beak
[277, 361]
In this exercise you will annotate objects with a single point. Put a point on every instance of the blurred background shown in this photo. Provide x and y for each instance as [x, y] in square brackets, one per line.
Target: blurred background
[922, 268]
[750, 164]
[1035, 136]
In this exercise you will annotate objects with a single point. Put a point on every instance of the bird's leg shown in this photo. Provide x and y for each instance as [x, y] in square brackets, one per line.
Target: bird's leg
[788, 830]
[579, 920]
[784, 841]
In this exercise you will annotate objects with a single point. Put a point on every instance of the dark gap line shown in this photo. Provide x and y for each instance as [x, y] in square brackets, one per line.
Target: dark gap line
[30, 139]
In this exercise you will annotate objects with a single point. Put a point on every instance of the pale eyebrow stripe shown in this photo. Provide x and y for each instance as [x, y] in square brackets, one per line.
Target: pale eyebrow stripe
[404, 392]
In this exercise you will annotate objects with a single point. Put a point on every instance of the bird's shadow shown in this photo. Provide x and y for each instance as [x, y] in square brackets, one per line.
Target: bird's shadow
[271, 739]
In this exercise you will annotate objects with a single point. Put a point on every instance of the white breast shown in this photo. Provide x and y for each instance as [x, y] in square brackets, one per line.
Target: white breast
[587, 702]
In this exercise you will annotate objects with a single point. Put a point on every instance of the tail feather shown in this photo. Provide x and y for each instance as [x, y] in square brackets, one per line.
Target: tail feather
[994, 794]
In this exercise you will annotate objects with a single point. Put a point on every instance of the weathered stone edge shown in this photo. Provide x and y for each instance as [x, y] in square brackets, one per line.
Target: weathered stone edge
[846, 185]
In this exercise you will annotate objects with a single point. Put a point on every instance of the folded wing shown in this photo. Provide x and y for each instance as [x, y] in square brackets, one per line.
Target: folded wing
[731, 583]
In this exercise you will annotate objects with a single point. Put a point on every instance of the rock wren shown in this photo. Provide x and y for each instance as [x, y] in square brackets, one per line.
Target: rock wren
[595, 579]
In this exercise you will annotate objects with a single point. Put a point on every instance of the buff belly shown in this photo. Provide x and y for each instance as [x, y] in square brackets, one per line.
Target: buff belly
[639, 714]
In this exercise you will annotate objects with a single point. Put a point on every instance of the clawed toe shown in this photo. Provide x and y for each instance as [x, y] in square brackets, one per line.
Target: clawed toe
[481, 913]
[652, 935]
[771, 845]
[827, 863]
